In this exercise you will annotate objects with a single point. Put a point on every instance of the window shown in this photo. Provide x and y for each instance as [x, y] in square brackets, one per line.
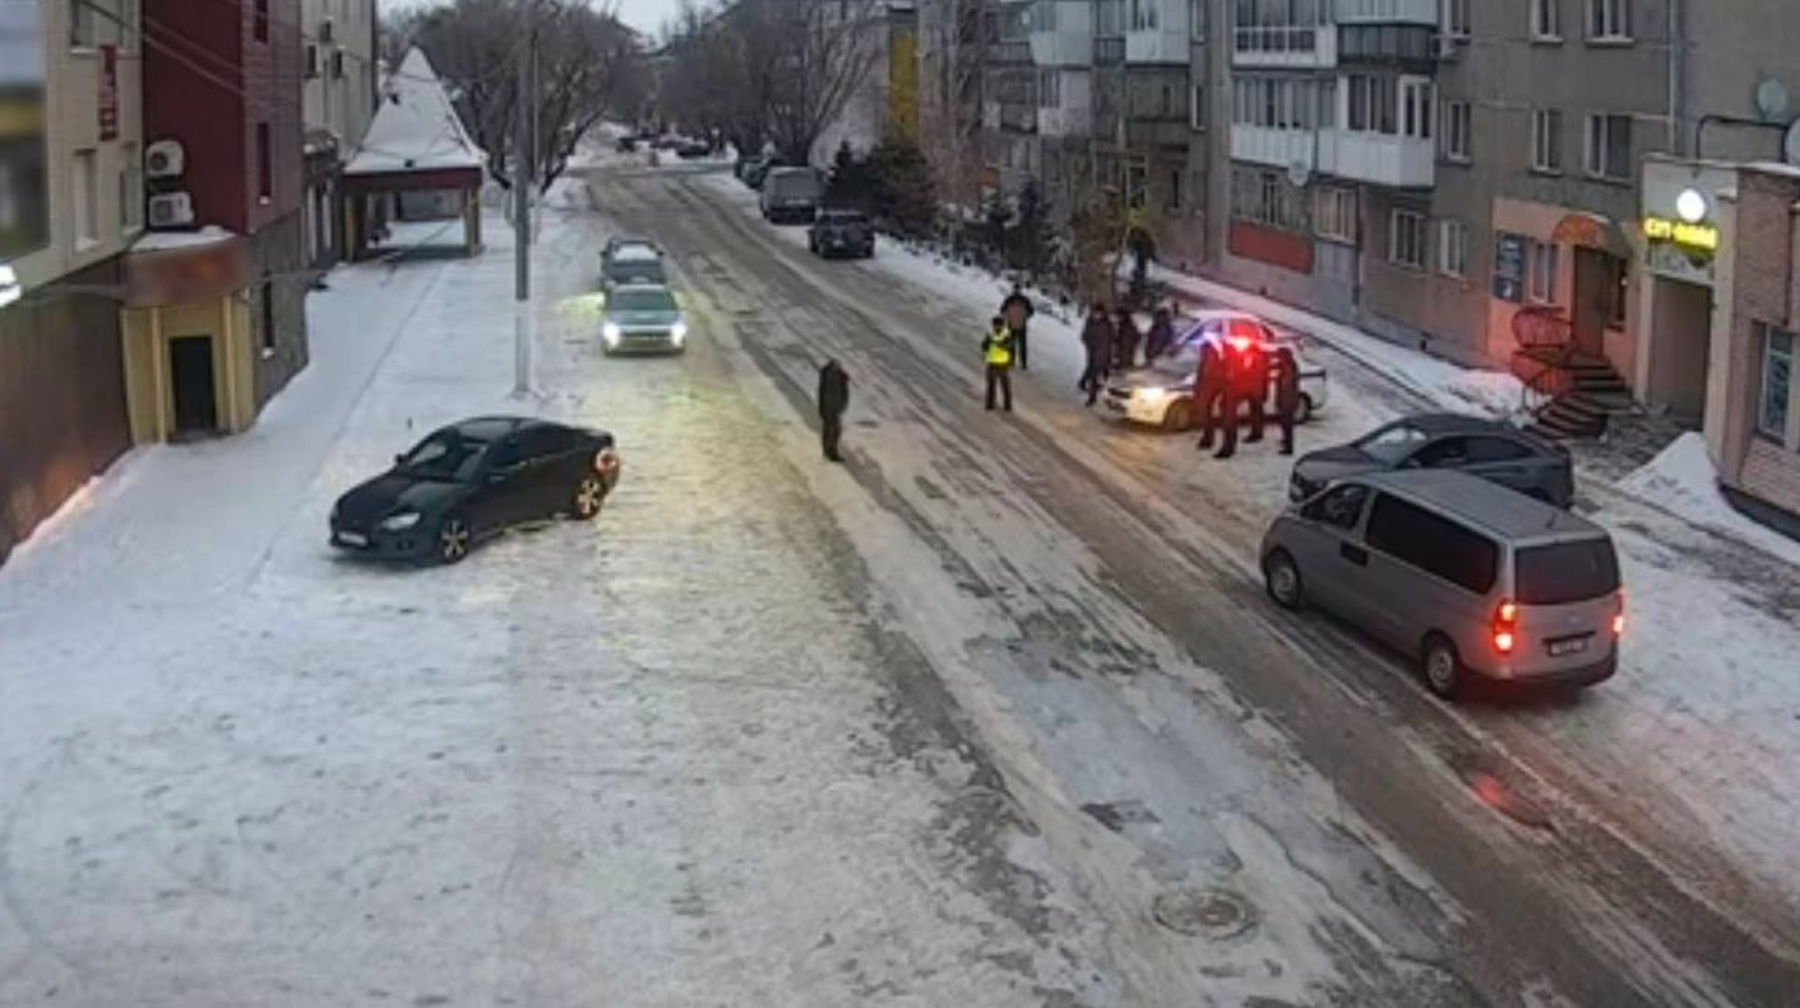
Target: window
[1453, 248]
[131, 190]
[1392, 444]
[1374, 104]
[1175, 189]
[1197, 110]
[1546, 20]
[1455, 18]
[312, 61]
[83, 25]
[260, 21]
[337, 64]
[545, 441]
[1415, 108]
[1444, 453]
[1267, 197]
[1406, 239]
[1196, 19]
[1341, 506]
[1777, 382]
[1485, 450]
[87, 201]
[1433, 543]
[268, 316]
[1566, 572]
[1609, 146]
[265, 164]
[1609, 20]
[1546, 140]
[1458, 132]
[1334, 214]
[1541, 284]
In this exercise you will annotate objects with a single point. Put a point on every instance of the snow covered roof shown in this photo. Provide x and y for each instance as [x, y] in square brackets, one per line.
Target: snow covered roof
[416, 128]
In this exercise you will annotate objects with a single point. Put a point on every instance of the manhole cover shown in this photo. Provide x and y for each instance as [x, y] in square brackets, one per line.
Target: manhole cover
[1204, 913]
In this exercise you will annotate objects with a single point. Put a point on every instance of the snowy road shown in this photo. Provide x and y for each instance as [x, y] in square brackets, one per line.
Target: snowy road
[1087, 594]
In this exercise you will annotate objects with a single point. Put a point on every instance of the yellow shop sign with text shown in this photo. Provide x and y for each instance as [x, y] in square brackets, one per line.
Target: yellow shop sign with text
[1704, 237]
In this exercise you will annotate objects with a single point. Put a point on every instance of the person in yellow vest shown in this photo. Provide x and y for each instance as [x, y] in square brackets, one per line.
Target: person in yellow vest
[997, 349]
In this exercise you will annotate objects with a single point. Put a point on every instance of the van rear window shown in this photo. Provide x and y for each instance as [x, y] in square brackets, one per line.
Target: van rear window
[1567, 572]
[1433, 543]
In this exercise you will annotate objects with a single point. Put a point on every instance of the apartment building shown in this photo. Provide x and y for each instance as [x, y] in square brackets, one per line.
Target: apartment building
[1011, 151]
[1061, 36]
[338, 99]
[70, 92]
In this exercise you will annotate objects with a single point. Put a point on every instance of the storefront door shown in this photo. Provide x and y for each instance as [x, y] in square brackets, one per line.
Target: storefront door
[193, 385]
[1596, 284]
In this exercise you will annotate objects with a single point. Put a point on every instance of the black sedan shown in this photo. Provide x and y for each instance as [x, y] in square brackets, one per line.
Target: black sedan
[1490, 449]
[473, 480]
[841, 232]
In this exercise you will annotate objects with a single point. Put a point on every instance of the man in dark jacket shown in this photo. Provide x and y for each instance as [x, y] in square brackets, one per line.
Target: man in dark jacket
[1125, 341]
[1161, 337]
[1210, 383]
[1287, 396]
[997, 351]
[1254, 389]
[1017, 310]
[1097, 339]
[834, 399]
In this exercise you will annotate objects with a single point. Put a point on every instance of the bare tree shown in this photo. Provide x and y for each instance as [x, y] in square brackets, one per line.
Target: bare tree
[826, 52]
[953, 57]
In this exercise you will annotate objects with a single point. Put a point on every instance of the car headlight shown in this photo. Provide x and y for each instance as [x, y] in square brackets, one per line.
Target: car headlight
[1154, 393]
[678, 331]
[400, 522]
[610, 333]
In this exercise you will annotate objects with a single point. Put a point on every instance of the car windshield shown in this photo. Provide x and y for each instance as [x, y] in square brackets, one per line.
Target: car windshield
[1567, 572]
[795, 185]
[642, 301]
[447, 455]
[1392, 444]
[635, 252]
[636, 271]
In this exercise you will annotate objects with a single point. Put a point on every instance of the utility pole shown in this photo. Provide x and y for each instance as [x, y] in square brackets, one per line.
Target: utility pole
[524, 154]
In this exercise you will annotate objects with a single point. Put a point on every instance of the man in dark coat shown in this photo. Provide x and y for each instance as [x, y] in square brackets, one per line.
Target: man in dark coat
[1097, 338]
[1017, 310]
[834, 399]
[1210, 383]
[1254, 389]
[1161, 337]
[1125, 341]
[1287, 396]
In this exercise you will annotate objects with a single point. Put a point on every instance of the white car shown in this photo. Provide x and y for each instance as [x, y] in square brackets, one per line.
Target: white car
[1162, 393]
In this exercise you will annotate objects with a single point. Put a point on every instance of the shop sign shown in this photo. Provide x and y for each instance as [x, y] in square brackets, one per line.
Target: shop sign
[1697, 236]
[109, 92]
[1509, 267]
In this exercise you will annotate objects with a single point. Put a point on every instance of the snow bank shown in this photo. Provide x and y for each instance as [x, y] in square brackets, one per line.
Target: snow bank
[1682, 480]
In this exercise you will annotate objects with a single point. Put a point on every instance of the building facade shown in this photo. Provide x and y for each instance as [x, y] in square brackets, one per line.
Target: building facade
[338, 100]
[61, 371]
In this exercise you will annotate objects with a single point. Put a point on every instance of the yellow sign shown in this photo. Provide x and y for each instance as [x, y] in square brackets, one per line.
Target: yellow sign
[1704, 237]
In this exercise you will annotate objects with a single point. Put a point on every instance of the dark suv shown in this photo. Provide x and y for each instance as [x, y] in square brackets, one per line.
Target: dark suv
[841, 232]
[1495, 451]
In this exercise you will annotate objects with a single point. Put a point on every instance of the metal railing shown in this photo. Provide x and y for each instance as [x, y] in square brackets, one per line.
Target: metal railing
[1277, 39]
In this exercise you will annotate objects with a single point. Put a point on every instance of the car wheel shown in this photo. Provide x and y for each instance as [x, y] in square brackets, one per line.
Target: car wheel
[1441, 666]
[1304, 411]
[589, 495]
[1282, 579]
[1178, 417]
[453, 539]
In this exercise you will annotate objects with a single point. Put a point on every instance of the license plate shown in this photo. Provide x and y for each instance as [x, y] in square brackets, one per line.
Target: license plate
[1574, 645]
[353, 539]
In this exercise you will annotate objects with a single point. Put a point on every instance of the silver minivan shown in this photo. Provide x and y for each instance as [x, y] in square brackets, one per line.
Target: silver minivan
[1472, 579]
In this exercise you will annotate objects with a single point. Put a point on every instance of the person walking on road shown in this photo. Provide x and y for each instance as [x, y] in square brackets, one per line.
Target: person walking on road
[1097, 339]
[1287, 396]
[1017, 310]
[1255, 389]
[997, 349]
[1161, 337]
[1125, 341]
[834, 399]
[1210, 381]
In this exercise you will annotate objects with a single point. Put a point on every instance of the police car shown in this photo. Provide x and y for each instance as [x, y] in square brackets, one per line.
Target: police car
[1161, 394]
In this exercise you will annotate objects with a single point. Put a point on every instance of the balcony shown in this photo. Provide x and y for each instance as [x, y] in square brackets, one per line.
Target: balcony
[1313, 47]
[1397, 162]
[1158, 46]
[1158, 131]
[1013, 52]
[1417, 12]
[1109, 51]
[1062, 33]
[1065, 121]
[1018, 117]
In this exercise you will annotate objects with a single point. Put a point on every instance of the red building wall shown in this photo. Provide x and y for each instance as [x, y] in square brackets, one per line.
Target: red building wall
[208, 81]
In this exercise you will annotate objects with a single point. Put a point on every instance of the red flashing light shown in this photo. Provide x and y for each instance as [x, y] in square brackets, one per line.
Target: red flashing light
[1240, 343]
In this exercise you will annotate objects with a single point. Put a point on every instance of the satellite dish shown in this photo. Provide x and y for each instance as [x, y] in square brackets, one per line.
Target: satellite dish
[1299, 173]
[1772, 99]
[1791, 145]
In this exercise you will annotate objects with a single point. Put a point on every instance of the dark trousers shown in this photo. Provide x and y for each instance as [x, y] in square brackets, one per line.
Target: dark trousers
[1211, 402]
[1092, 378]
[831, 428]
[1021, 347]
[1229, 417]
[1259, 420]
[999, 376]
[1286, 419]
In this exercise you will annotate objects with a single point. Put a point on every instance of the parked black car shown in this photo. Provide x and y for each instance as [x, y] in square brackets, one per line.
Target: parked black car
[1490, 449]
[757, 171]
[473, 480]
[841, 232]
[693, 150]
[626, 144]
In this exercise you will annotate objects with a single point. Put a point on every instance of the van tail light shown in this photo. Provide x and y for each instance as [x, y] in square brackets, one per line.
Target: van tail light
[606, 461]
[1506, 626]
[1619, 618]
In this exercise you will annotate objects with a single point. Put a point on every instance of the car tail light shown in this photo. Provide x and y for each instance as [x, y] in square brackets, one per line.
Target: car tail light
[1619, 618]
[1506, 625]
[606, 461]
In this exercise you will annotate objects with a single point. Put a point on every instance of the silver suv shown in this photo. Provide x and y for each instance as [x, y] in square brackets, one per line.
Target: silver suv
[1471, 579]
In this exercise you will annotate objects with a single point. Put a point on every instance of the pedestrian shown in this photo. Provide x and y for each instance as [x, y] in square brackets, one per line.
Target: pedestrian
[1161, 337]
[997, 349]
[1017, 310]
[1287, 396]
[1125, 341]
[1210, 381]
[1254, 388]
[1097, 339]
[834, 399]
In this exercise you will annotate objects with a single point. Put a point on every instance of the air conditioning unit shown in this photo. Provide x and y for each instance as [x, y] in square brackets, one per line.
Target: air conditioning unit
[164, 159]
[325, 32]
[171, 210]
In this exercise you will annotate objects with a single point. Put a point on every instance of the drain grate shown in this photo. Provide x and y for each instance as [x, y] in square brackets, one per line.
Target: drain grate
[1217, 914]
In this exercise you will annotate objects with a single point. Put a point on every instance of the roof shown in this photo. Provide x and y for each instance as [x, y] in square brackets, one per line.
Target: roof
[416, 128]
[1507, 514]
[1457, 423]
[488, 428]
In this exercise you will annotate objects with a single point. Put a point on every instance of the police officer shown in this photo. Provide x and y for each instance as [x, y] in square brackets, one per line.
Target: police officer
[1287, 396]
[1255, 389]
[834, 399]
[997, 349]
[1210, 382]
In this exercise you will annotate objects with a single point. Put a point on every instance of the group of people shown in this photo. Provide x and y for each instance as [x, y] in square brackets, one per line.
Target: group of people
[1111, 340]
[1227, 380]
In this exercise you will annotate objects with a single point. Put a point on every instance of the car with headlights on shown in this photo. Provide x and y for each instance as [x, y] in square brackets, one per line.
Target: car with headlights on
[1493, 450]
[471, 481]
[1161, 394]
[642, 317]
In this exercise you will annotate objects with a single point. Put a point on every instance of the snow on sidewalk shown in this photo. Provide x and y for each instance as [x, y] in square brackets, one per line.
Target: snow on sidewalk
[1682, 481]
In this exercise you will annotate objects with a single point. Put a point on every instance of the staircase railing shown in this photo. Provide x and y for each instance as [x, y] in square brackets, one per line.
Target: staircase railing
[1550, 380]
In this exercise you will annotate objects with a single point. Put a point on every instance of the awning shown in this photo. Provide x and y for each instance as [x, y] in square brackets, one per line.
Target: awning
[1584, 229]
